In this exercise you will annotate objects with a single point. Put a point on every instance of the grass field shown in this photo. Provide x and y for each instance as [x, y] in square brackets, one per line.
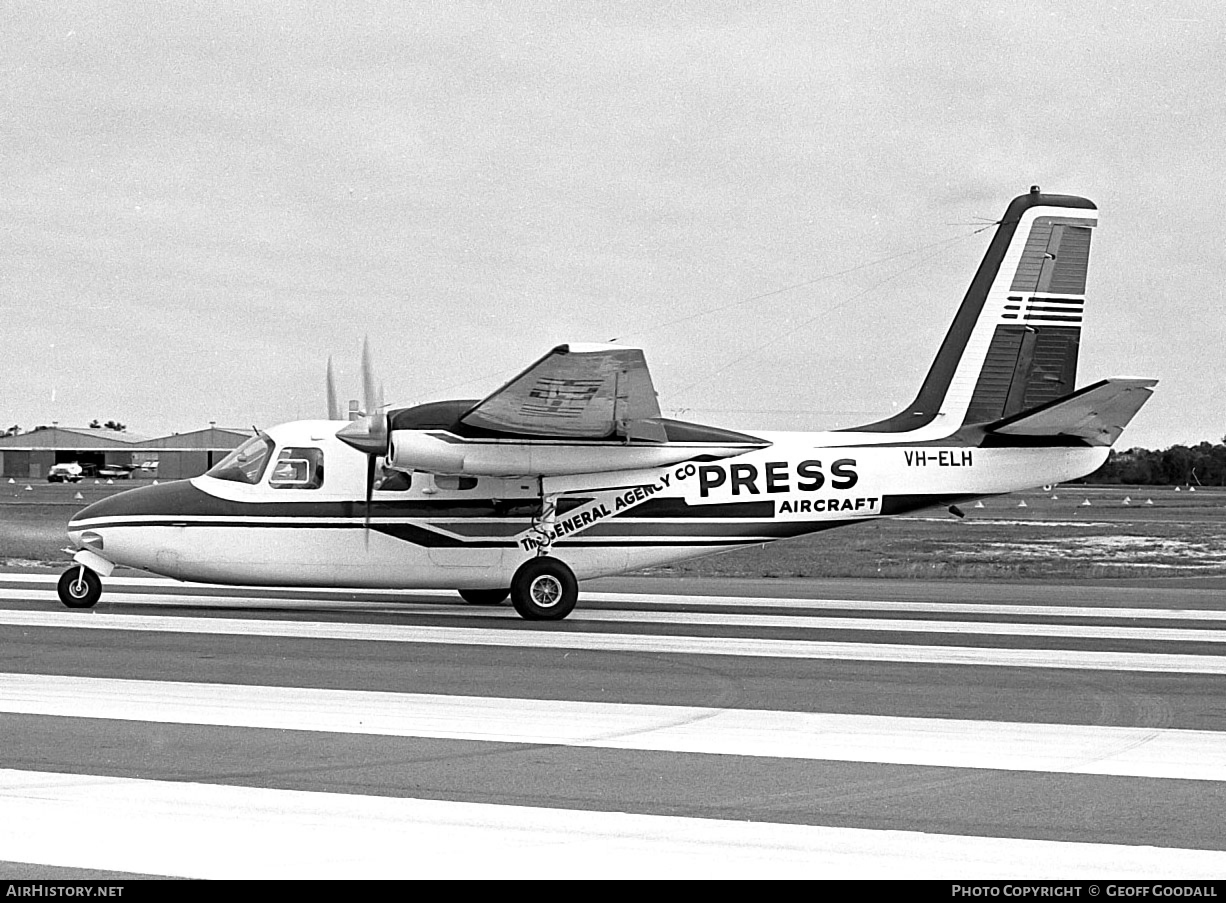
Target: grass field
[1158, 532]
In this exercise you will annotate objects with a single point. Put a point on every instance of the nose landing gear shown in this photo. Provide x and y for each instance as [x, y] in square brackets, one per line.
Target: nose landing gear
[79, 587]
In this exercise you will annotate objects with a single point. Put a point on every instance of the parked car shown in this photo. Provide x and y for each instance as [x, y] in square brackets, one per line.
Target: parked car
[65, 473]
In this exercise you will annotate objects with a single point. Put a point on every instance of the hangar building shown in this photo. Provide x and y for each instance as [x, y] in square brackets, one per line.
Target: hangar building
[28, 456]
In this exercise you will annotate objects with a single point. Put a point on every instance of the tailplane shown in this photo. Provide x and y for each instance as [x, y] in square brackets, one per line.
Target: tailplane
[1014, 341]
[1096, 415]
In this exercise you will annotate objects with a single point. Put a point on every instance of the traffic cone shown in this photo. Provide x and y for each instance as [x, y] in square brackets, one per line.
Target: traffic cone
[978, 504]
[1022, 504]
[1085, 504]
[29, 488]
[1127, 500]
[79, 497]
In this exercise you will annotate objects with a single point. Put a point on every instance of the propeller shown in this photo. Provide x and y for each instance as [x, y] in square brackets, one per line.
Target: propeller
[370, 491]
[371, 395]
[368, 434]
[334, 407]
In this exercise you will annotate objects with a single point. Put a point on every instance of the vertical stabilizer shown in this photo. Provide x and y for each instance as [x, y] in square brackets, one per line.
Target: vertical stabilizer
[1013, 343]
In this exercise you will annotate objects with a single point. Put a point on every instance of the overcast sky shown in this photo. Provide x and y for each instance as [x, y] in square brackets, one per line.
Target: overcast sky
[201, 202]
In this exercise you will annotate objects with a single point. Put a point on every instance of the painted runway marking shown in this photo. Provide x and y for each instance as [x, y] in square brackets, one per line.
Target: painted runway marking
[218, 831]
[559, 637]
[198, 594]
[204, 830]
[984, 628]
[1144, 633]
[1056, 748]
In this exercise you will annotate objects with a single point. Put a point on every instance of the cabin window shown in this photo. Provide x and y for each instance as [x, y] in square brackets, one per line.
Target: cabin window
[298, 468]
[246, 463]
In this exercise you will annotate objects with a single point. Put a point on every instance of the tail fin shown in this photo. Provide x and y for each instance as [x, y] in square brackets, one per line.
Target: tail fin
[1013, 343]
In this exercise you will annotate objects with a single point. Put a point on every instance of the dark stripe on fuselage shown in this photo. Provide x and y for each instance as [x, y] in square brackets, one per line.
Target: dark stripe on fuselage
[183, 500]
[674, 507]
[905, 504]
[181, 504]
[759, 531]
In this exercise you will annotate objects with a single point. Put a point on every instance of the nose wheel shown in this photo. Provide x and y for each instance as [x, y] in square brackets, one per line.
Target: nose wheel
[79, 587]
[544, 589]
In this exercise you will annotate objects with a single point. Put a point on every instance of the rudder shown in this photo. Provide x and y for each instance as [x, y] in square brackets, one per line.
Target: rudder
[1014, 342]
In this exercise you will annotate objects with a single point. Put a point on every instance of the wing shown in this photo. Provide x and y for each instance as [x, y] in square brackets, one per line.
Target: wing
[1097, 413]
[581, 391]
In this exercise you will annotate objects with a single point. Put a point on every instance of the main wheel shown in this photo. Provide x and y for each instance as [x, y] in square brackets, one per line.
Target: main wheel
[79, 587]
[544, 589]
[484, 596]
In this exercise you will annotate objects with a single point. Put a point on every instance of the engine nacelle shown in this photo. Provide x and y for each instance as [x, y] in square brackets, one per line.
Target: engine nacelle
[435, 453]
[415, 450]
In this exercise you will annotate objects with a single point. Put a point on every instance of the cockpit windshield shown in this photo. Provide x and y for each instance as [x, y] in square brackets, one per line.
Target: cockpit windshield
[246, 463]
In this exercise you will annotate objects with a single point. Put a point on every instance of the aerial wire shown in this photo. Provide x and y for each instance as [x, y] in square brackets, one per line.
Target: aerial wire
[808, 282]
[784, 335]
[769, 294]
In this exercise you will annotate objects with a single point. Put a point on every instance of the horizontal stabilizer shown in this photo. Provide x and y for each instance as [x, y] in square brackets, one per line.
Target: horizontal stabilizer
[1096, 414]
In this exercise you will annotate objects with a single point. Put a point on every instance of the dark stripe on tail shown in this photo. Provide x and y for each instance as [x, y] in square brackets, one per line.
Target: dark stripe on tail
[1041, 269]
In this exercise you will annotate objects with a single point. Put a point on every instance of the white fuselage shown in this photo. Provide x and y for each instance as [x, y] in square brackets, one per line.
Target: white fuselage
[434, 534]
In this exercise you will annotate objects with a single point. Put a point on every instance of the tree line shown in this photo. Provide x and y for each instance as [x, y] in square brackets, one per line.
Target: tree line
[1179, 465]
[95, 424]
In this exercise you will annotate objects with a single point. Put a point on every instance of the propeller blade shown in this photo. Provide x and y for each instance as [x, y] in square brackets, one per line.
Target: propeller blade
[370, 392]
[370, 491]
[334, 407]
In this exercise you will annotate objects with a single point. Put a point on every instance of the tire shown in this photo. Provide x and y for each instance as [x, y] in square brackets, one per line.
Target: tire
[544, 589]
[79, 587]
[484, 596]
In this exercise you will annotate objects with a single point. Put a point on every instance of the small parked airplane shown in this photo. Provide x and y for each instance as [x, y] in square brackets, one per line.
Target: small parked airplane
[569, 471]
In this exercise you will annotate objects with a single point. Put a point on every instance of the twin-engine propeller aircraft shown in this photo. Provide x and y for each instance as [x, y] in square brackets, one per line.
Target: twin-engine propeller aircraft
[569, 471]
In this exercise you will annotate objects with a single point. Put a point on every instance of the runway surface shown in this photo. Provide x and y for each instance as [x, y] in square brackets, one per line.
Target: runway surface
[834, 729]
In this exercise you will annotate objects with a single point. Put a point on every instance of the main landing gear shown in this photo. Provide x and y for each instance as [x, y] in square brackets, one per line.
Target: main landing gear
[79, 587]
[544, 589]
[484, 596]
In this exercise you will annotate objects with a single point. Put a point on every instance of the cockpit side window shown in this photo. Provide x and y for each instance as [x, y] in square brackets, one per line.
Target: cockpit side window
[246, 463]
[298, 468]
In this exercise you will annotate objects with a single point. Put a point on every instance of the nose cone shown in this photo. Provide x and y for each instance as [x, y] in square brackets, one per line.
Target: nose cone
[164, 499]
[107, 526]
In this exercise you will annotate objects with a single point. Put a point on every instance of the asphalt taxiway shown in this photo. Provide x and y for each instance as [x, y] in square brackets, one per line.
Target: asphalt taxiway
[851, 728]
